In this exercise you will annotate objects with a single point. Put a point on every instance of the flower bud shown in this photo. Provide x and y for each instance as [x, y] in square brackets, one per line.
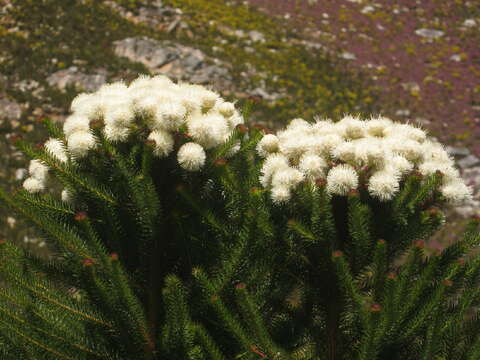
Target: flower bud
[337, 254]
[240, 286]
[242, 129]
[81, 216]
[87, 262]
[220, 162]
[419, 244]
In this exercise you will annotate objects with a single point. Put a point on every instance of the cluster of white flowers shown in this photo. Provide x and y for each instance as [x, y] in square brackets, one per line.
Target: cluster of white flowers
[38, 177]
[38, 171]
[340, 152]
[165, 107]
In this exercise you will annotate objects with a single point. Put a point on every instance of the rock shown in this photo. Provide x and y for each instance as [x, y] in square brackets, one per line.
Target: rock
[456, 58]
[192, 59]
[429, 34]
[348, 56]
[470, 209]
[367, 9]
[470, 23]
[469, 161]
[402, 112]
[205, 76]
[9, 110]
[457, 152]
[256, 36]
[72, 77]
[151, 53]
[176, 61]
[471, 177]
[270, 97]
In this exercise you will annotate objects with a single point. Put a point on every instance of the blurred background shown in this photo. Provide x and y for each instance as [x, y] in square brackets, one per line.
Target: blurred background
[415, 61]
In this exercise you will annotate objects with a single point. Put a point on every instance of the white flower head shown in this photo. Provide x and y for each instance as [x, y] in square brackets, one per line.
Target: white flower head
[57, 149]
[33, 185]
[325, 127]
[119, 115]
[116, 133]
[435, 152]
[170, 116]
[191, 96]
[273, 163]
[280, 194]
[329, 142]
[431, 167]
[80, 142]
[208, 99]
[345, 151]
[163, 142]
[383, 185]
[287, 177]
[161, 82]
[116, 91]
[378, 126]
[400, 164]
[408, 131]
[142, 82]
[75, 123]
[299, 124]
[313, 166]
[456, 191]
[81, 103]
[208, 130]
[353, 128]
[370, 152]
[226, 109]
[341, 179]
[234, 120]
[38, 170]
[268, 144]
[191, 156]
[66, 196]
[409, 149]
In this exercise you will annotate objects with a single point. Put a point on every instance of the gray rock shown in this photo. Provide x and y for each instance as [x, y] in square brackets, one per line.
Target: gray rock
[256, 36]
[348, 56]
[429, 33]
[176, 61]
[457, 152]
[151, 53]
[471, 208]
[9, 109]
[208, 73]
[192, 59]
[271, 97]
[72, 77]
[471, 176]
[468, 162]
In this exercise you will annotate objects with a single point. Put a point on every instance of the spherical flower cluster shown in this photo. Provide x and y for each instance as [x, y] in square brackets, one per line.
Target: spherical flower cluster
[377, 153]
[165, 107]
[38, 177]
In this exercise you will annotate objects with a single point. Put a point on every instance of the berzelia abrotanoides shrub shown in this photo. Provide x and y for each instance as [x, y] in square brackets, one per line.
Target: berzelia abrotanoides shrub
[185, 232]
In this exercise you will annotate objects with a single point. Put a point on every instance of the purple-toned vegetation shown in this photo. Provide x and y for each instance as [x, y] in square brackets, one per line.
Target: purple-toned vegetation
[425, 55]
